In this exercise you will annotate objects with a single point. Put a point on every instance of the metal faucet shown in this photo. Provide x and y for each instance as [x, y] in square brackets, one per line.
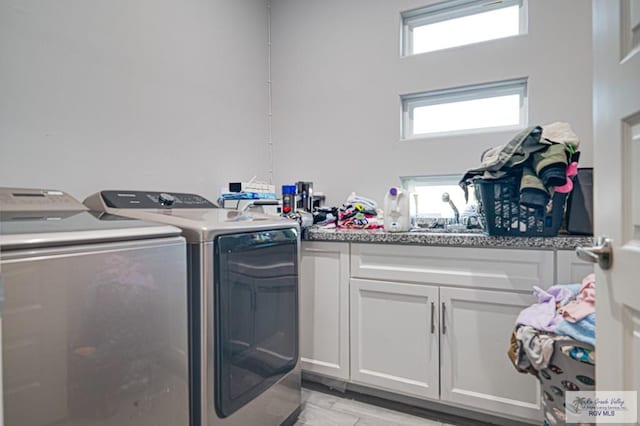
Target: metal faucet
[447, 199]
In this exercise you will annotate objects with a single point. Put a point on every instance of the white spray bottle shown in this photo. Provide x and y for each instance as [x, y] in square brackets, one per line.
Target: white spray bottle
[397, 214]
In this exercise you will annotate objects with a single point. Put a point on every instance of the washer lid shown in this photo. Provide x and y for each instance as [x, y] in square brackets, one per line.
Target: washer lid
[45, 229]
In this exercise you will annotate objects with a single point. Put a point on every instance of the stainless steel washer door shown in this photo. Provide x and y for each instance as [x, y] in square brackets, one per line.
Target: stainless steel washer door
[256, 314]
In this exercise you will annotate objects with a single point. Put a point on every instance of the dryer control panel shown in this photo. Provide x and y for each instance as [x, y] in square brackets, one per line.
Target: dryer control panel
[30, 199]
[154, 200]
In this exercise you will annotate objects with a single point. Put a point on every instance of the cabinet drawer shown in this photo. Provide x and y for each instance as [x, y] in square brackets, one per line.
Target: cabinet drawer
[502, 269]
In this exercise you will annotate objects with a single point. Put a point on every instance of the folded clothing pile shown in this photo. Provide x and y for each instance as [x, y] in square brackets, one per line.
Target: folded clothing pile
[245, 195]
[563, 312]
[325, 217]
[359, 213]
[542, 158]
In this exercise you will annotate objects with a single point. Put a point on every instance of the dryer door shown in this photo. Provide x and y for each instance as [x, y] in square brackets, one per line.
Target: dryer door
[256, 314]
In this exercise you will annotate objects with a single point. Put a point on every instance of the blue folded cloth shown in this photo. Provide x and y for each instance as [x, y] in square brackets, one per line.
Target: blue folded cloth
[248, 196]
[583, 331]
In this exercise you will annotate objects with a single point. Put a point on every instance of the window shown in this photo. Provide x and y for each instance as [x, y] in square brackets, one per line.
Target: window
[460, 22]
[456, 110]
[429, 190]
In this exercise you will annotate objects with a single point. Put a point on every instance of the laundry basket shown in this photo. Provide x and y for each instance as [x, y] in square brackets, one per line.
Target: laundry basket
[499, 201]
[563, 374]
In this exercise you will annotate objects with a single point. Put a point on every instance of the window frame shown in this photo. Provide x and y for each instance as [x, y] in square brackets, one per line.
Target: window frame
[449, 10]
[410, 183]
[412, 101]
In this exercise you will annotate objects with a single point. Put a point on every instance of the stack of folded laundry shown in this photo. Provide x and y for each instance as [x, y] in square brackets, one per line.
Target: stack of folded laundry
[325, 217]
[562, 312]
[542, 158]
[359, 213]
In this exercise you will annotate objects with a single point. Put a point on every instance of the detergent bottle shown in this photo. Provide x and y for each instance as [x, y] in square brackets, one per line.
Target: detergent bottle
[397, 210]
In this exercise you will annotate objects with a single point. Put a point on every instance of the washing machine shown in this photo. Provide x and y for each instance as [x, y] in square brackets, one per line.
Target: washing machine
[94, 316]
[243, 301]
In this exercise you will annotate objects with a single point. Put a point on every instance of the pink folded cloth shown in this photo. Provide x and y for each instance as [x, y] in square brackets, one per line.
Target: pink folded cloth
[585, 303]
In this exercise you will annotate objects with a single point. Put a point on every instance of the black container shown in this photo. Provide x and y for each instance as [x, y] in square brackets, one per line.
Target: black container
[580, 205]
[305, 196]
[499, 201]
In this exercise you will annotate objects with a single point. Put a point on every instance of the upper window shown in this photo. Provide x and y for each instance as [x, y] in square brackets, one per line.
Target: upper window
[460, 22]
[463, 109]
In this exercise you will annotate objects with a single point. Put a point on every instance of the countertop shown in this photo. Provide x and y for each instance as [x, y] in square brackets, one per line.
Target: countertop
[448, 239]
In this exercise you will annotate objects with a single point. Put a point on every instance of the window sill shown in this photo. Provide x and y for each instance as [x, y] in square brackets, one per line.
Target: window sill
[462, 133]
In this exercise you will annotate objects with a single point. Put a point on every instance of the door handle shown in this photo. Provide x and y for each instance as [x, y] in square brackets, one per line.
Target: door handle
[444, 315]
[601, 253]
[433, 324]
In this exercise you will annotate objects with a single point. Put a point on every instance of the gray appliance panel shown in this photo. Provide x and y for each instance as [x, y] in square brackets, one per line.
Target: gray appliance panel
[154, 200]
[32, 199]
[96, 335]
[197, 224]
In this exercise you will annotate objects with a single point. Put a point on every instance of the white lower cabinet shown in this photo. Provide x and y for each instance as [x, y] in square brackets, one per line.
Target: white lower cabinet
[324, 308]
[394, 337]
[442, 334]
[475, 370]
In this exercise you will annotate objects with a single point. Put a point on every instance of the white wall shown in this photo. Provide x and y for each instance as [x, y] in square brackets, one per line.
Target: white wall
[337, 77]
[147, 94]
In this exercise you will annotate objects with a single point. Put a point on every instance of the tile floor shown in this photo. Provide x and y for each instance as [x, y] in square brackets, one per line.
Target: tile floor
[323, 409]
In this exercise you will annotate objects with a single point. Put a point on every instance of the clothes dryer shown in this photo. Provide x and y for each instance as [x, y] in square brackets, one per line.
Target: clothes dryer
[243, 301]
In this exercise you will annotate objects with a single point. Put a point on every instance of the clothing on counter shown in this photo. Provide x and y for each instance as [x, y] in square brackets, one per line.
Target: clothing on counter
[244, 195]
[359, 213]
[584, 304]
[539, 163]
[496, 162]
[551, 165]
[368, 203]
[325, 216]
[356, 213]
[572, 171]
[533, 193]
[560, 132]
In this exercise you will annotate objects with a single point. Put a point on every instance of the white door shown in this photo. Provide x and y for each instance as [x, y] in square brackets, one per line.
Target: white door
[394, 337]
[475, 369]
[616, 42]
[324, 308]
[1, 350]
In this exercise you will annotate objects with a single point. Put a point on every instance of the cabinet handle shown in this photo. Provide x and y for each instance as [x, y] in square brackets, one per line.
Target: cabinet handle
[444, 315]
[433, 324]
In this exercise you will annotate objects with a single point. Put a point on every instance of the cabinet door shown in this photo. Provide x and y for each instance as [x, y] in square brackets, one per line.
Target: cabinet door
[394, 337]
[324, 308]
[570, 268]
[475, 330]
